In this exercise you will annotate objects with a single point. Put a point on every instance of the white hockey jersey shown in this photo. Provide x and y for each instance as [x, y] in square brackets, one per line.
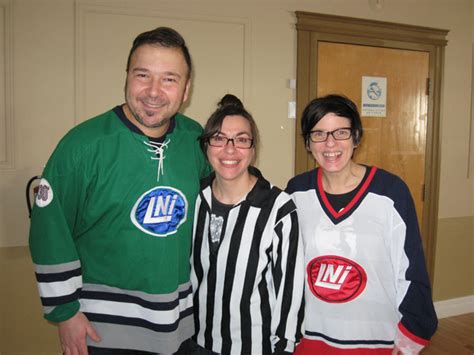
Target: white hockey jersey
[367, 288]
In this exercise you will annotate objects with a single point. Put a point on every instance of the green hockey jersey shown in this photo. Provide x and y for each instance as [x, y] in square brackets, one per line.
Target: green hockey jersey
[111, 231]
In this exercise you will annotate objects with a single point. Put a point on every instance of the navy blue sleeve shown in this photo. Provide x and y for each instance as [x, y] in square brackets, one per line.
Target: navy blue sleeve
[419, 318]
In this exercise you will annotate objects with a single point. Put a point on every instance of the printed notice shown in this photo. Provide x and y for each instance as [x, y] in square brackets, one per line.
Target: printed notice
[374, 96]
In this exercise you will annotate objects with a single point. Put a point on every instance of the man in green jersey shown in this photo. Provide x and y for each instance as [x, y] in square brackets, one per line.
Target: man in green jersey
[112, 222]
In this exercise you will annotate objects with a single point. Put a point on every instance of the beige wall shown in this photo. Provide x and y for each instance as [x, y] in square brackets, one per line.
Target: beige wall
[454, 264]
[55, 77]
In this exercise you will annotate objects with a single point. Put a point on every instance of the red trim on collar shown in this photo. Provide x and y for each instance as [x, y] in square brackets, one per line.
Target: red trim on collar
[363, 188]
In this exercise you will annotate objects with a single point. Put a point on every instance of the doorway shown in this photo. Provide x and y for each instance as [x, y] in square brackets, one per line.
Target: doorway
[336, 54]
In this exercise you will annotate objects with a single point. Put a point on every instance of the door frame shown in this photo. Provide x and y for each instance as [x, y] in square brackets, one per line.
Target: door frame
[314, 27]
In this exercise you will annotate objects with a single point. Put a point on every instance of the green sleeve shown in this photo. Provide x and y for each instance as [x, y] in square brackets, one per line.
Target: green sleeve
[54, 218]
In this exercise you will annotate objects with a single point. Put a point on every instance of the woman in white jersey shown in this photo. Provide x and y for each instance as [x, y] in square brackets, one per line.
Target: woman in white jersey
[367, 289]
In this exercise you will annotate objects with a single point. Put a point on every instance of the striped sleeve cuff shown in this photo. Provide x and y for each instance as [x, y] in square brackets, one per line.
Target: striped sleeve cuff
[59, 285]
[408, 342]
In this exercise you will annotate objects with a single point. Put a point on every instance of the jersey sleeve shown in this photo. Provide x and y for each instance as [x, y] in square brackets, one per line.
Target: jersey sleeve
[288, 279]
[418, 320]
[52, 245]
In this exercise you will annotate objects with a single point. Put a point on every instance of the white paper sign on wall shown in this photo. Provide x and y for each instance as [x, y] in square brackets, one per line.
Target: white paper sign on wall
[374, 96]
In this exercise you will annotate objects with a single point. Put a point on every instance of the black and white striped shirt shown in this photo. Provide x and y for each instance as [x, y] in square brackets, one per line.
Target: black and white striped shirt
[247, 295]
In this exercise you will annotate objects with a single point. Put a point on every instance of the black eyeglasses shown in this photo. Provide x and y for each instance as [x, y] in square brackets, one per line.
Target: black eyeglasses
[238, 142]
[340, 134]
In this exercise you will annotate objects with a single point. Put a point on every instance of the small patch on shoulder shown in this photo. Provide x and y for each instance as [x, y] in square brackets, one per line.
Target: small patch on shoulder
[45, 194]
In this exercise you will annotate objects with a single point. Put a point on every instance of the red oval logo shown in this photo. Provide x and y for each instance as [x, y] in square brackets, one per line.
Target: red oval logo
[335, 279]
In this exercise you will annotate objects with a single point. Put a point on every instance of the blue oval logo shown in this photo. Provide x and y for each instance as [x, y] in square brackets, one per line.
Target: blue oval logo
[160, 211]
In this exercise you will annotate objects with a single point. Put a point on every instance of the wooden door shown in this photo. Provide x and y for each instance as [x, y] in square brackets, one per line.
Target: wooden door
[397, 141]
[334, 52]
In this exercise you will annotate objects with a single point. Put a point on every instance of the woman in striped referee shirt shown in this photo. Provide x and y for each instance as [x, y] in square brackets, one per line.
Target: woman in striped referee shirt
[247, 261]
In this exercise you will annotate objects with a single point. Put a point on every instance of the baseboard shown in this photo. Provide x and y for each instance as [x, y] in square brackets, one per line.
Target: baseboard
[454, 306]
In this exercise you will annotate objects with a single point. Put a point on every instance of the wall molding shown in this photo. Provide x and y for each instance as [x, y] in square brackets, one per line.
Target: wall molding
[454, 306]
[6, 82]
[470, 152]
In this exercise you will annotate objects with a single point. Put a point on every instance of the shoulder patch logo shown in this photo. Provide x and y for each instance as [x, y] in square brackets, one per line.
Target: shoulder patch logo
[160, 211]
[44, 195]
[335, 279]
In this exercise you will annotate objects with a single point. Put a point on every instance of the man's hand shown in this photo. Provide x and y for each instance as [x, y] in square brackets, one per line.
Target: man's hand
[73, 334]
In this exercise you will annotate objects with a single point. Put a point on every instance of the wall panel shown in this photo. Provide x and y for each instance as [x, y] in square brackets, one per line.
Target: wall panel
[6, 119]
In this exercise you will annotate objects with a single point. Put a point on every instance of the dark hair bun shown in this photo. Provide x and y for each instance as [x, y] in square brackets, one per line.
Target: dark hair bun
[230, 100]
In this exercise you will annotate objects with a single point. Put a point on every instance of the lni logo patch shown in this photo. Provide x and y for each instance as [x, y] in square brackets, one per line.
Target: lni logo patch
[335, 279]
[160, 211]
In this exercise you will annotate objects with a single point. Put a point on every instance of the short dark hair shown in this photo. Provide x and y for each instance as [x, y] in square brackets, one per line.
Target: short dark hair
[164, 37]
[229, 105]
[337, 104]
